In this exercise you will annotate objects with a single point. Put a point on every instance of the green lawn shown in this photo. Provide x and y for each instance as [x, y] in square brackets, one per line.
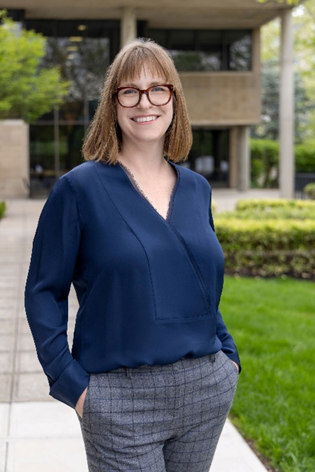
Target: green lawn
[273, 324]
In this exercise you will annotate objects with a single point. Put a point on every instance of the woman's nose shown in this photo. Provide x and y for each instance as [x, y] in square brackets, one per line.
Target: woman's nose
[144, 101]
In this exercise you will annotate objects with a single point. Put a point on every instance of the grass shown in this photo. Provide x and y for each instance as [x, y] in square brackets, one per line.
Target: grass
[273, 324]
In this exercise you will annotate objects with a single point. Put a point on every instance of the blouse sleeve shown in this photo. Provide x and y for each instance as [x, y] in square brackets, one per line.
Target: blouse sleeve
[228, 344]
[55, 248]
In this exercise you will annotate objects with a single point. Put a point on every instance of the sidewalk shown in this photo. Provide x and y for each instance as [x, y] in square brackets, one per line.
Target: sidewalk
[37, 433]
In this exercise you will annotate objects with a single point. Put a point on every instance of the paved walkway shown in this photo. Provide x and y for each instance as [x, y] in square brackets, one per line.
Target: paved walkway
[37, 433]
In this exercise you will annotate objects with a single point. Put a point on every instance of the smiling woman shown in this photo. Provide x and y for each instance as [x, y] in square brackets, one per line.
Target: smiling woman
[153, 369]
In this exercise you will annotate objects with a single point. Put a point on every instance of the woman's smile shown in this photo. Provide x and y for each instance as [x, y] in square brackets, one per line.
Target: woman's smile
[145, 119]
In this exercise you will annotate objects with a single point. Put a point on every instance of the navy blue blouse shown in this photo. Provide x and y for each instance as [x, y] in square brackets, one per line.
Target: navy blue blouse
[148, 287]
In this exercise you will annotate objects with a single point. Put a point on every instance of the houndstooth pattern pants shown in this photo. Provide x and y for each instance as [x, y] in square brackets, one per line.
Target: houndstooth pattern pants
[162, 418]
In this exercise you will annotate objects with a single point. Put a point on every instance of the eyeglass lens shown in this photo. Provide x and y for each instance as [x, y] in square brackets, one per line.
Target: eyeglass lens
[159, 95]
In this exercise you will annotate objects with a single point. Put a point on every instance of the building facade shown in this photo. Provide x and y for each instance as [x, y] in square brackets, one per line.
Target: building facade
[216, 49]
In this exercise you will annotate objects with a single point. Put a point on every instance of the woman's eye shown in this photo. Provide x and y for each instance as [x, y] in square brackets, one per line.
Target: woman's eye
[158, 89]
[129, 91]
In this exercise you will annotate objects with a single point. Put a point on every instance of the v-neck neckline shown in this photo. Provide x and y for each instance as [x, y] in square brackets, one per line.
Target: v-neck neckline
[140, 192]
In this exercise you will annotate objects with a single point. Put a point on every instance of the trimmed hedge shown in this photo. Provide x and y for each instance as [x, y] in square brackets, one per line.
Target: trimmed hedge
[2, 209]
[268, 248]
[273, 203]
[269, 238]
[258, 209]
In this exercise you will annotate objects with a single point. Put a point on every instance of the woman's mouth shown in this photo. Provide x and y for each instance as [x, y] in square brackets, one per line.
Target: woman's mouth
[144, 119]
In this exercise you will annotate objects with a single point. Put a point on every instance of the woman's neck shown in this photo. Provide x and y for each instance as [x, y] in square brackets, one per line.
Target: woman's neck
[144, 160]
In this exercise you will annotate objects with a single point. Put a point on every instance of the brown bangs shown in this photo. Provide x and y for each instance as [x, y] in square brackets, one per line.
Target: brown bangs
[134, 62]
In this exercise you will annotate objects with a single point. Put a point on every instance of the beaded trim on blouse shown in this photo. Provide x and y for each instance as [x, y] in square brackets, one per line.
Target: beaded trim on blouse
[137, 187]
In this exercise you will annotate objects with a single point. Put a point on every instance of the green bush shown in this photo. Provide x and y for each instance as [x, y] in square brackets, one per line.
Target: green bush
[305, 157]
[268, 248]
[258, 209]
[2, 209]
[269, 238]
[265, 160]
[309, 191]
[264, 163]
[262, 204]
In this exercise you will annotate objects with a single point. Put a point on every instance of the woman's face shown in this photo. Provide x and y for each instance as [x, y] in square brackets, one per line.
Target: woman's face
[145, 122]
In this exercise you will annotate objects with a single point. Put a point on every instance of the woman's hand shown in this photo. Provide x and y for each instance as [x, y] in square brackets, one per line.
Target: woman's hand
[237, 366]
[80, 403]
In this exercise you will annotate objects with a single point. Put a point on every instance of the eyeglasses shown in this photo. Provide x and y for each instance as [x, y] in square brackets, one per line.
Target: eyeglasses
[158, 95]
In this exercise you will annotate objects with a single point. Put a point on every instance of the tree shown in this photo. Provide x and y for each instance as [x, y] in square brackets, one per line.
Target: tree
[269, 125]
[27, 90]
[304, 65]
[288, 2]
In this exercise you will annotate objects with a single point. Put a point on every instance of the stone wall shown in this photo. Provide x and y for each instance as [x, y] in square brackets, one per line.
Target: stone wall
[14, 158]
[222, 99]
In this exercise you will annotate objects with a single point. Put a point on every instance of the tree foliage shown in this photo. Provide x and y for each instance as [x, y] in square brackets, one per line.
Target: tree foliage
[304, 68]
[287, 2]
[27, 90]
[303, 104]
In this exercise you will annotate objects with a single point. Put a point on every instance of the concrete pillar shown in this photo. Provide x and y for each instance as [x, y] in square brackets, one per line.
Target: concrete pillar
[243, 158]
[256, 53]
[286, 109]
[233, 139]
[14, 158]
[128, 26]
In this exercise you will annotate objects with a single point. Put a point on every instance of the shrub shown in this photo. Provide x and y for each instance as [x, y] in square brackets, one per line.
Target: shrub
[262, 204]
[2, 209]
[264, 162]
[268, 248]
[305, 157]
[269, 238]
[309, 191]
[258, 209]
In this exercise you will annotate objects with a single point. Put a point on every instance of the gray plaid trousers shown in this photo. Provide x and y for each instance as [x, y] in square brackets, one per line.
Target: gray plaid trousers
[161, 418]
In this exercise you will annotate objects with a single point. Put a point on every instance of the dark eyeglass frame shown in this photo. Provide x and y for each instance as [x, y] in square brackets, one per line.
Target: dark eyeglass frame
[146, 91]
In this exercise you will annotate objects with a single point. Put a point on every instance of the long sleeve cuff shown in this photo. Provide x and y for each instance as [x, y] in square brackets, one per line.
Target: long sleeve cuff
[70, 385]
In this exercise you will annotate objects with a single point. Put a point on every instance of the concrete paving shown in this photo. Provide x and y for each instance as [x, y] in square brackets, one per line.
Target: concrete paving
[225, 199]
[36, 432]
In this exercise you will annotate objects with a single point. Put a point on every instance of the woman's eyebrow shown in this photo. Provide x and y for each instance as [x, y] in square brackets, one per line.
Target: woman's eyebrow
[136, 86]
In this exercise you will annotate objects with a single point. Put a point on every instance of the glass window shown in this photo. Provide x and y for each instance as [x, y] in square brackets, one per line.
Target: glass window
[83, 51]
[191, 61]
[71, 139]
[42, 159]
[84, 63]
[209, 155]
[206, 50]
[42, 148]
[240, 54]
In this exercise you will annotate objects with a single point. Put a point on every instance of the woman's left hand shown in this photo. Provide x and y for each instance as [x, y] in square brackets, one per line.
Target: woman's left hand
[80, 403]
[236, 365]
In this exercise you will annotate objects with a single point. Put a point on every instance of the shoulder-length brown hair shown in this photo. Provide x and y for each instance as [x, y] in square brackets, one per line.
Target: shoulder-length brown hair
[103, 141]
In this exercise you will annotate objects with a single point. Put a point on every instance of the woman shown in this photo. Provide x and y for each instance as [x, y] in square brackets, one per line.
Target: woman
[153, 370]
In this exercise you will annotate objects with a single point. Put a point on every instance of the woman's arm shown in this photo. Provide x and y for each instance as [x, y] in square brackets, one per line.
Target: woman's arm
[55, 248]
